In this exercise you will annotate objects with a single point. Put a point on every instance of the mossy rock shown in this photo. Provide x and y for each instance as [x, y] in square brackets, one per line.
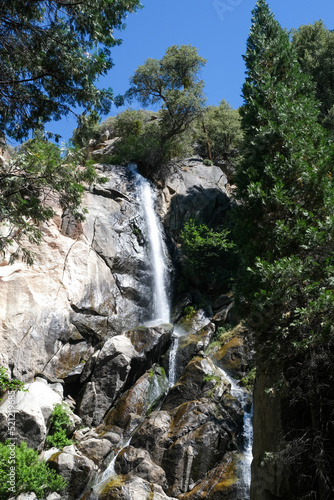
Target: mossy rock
[219, 483]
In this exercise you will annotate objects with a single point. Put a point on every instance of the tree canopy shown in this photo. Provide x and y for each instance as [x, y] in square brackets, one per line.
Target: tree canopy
[51, 53]
[314, 44]
[172, 82]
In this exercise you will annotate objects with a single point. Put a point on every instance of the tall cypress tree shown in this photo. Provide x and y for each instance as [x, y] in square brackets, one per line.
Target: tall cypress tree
[285, 231]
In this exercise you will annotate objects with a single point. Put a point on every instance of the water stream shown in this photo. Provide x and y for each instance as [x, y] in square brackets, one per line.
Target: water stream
[247, 455]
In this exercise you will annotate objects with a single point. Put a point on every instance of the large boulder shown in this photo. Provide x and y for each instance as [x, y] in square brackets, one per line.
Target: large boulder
[131, 488]
[75, 468]
[193, 191]
[133, 406]
[121, 361]
[198, 422]
[95, 449]
[200, 379]
[218, 484]
[138, 462]
[32, 412]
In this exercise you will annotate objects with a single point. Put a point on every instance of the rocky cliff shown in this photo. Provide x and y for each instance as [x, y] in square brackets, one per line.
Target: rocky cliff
[70, 328]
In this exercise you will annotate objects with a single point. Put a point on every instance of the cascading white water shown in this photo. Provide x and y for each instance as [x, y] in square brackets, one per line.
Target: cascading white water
[157, 256]
[245, 464]
[110, 470]
[156, 247]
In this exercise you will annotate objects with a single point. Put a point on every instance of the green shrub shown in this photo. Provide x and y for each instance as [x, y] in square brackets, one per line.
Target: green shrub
[60, 423]
[248, 380]
[31, 475]
[142, 141]
[209, 256]
[207, 162]
[189, 311]
[9, 385]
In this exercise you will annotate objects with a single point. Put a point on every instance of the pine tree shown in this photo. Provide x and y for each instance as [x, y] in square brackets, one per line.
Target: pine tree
[285, 231]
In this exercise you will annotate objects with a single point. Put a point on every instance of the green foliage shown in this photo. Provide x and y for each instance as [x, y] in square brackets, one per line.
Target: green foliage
[7, 384]
[173, 83]
[59, 425]
[223, 130]
[53, 52]
[222, 330]
[209, 378]
[209, 256]
[189, 312]
[248, 380]
[140, 141]
[88, 128]
[285, 229]
[314, 44]
[38, 174]
[31, 474]
[207, 162]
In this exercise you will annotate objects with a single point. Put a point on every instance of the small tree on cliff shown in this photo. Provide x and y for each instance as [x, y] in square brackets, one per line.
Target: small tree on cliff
[285, 229]
[172, 83]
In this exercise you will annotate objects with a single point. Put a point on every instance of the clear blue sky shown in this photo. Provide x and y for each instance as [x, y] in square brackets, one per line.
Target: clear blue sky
[217, 28]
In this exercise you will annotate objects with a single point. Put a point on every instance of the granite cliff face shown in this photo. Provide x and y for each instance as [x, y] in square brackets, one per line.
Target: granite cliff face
[70, 328]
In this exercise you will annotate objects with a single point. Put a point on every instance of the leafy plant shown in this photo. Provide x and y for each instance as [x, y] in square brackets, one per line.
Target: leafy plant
[7, 384]
[209, 255]
[31, 474]
[207, 162]
[249, 379]
[59, 425]
[53, 55]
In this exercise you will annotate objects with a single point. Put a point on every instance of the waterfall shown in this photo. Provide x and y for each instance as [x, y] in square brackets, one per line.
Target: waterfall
[247, 456]
[156, 249]
[110, 470]
[157, 257]
[172, 359]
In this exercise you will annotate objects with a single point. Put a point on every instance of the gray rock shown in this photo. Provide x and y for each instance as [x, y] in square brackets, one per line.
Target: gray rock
[133, 406]
[26, 496]
[200, 379]
[132, 488]
[121, 361]
[138, 462]
[95, 449]
[54, 496]
[109, 377]
[75, 468]
[32, 412]
[221, 315]
[77, 269]
[193, 191]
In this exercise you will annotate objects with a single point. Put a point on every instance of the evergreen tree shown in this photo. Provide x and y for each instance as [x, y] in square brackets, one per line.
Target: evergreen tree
[51, 53]
[314, 44]
[285, 230]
